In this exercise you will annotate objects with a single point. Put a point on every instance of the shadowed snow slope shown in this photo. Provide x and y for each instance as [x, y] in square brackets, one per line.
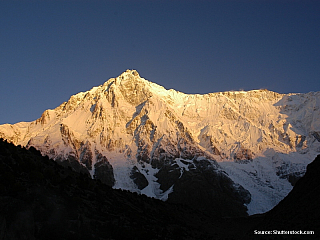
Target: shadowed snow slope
[245, 149]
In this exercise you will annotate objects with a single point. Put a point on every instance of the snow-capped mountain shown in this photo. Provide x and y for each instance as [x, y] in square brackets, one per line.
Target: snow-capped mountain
[239, 149]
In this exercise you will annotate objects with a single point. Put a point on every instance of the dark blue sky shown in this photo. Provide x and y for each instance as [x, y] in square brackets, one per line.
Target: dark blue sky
[50, 50]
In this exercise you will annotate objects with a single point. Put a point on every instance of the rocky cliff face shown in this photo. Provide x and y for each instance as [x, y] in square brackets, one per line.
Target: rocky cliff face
[247, 147]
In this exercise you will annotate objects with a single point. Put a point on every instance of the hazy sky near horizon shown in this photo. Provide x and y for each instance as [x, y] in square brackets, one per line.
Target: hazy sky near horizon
[51, 49]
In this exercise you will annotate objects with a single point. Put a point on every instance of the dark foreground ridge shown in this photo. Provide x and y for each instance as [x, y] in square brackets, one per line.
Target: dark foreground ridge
[299, 210]
[40, 199]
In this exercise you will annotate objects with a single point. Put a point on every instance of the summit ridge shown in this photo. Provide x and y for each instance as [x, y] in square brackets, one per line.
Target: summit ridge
[248, 147]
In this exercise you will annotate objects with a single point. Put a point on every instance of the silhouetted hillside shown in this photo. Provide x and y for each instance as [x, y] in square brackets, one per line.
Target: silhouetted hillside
[300, 210]
[40, 199]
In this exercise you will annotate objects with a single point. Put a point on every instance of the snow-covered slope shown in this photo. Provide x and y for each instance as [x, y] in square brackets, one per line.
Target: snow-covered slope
[136, 135]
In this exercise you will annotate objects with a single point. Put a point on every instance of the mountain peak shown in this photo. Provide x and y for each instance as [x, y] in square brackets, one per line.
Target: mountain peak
[130, 72]
[128, 75]
[154, 138]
